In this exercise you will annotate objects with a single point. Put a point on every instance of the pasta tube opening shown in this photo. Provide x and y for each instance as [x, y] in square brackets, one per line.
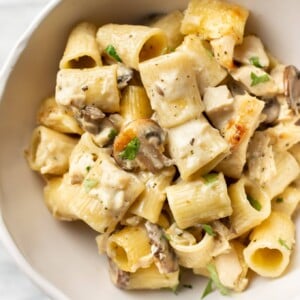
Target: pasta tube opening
[268, 253]
[81, 50]
[120, 254]
[82, 62]
[152, 48]
[270, 258]
[250, 205]
[129, 248]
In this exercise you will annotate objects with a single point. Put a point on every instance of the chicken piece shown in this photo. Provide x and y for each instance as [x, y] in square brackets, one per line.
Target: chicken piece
[251, 52]
[219, 105]
[256, 81]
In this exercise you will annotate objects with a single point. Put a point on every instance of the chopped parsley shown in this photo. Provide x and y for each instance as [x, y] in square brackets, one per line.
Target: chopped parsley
[112, 134]
[166, 236]
[254, 60]
[279, 200]
[168, 50]
[210, 178]
[254, 203]
[208, 229]
[88, 168]
[175, 289]
[208, 289]
[90, 183]
[258, 79]
[283, 243]
[216, 280]
[131, 149]
[111, 51]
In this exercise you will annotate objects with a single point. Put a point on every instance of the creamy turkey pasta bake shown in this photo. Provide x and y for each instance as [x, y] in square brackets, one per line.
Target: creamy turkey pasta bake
[178, 142]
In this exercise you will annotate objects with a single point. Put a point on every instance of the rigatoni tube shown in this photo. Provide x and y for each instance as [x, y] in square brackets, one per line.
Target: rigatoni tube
[269, 251]
[149, 204]
[199, 201]
[129, 248]
[143, 278]
[96, 86]
[250, 204]
[58, 195]
[49, 151]
[81, 49]
[57, 117]
[135, 104]
[132, 43]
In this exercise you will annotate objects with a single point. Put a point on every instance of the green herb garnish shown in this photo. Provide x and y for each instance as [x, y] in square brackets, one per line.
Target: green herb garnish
[216, 280]
[111, 51]
[166, 236]
[131, 149]
[112, 134]
[208, 229]
[209, 52]
[254, 60]
[283, 243]
[254, 203]
[258, 79]
[89, 183]
[279, 200]
[210, 178]
[167, 50]
[208, 289]
[175, 289]
[88, 168]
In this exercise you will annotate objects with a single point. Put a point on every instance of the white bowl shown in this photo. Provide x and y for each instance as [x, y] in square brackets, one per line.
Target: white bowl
[62, 257]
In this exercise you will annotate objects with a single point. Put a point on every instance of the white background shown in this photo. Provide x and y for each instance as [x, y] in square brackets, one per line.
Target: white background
[15, 16]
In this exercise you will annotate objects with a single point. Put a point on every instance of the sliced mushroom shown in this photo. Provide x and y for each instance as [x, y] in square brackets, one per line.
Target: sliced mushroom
[271, 111]
[140, 144]
[235, 87]
[291, 80]
[90, 118]
[119, 277]
[164, 256]
[124, 75]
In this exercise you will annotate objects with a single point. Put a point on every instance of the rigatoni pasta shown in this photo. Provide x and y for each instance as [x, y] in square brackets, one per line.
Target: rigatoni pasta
[250, 205]
[269, 251]
[49, 151]
[160, 76]
[58, 195]
[82, 49]
[170, 24]
[58, 117]
[95, 86]
[178, 142]
[142, 42]
[201, 200]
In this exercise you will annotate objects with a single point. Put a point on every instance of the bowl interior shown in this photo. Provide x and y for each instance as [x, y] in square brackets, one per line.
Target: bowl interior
[65, 254]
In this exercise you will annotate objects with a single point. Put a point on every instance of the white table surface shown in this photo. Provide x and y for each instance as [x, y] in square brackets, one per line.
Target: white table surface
[15, 16]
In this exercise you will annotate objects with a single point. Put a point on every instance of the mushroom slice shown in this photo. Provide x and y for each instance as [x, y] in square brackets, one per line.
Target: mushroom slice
[235, 87]
[164, 256]
[291, 79]
[124, 75]
[140, 144]
[90, 118]
[271, 111]
[119, 277]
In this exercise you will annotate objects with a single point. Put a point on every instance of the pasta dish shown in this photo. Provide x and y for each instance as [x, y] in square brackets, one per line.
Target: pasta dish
[178, 141]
